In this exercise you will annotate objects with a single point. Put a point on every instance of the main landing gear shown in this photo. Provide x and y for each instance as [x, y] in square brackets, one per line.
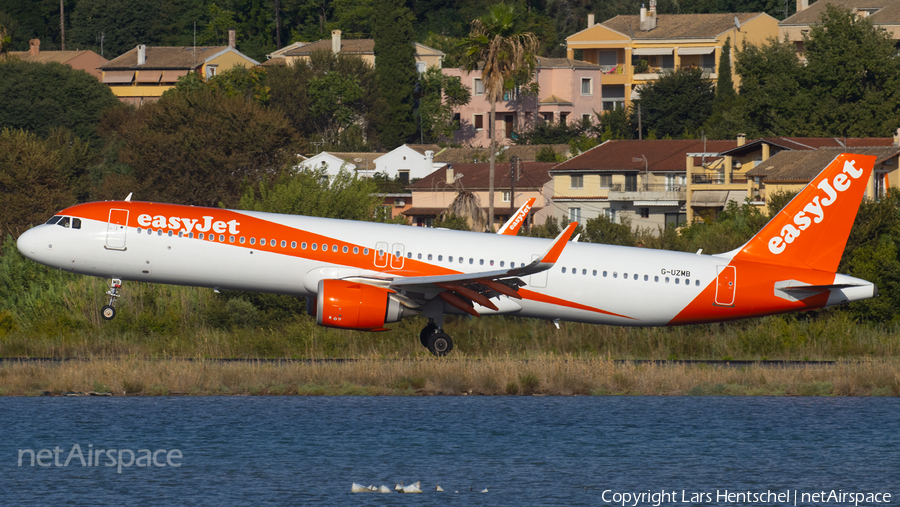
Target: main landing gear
[435, 339]
[108, 312]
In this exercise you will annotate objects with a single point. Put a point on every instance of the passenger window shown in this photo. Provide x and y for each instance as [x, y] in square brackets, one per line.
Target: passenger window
[419, 256]
[646, 278]
[461, 260]
[365, 251]
[334, 248]
[604, 274]
[564, 270]
[252, 240]
[159, 233]
[449, 259]
[283, 243]
[615, 274]
[687, 281]
[481, 262]
[180, 234]
[76, 223]
[231, 239]
[324, 247]
[242, 240]
[441, 257]
[595, 272]
[140, 230]
[293, 244]
[667, 279]
[191, 236]
[697, 283]
[429, 256]
[170, 234]
[471, 260]
[409, 255]
[502, 263]
[677, 281]
[625, 276]
[221, 237]
[55, 219]
[356, 250]
[64, 222]
[574, 271]
[583, 271]
[200, 236]
[303, 246]
[492, 262]
[656, 278]
[315, 246]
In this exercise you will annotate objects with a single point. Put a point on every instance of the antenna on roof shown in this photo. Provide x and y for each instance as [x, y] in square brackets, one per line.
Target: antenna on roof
[737, 23]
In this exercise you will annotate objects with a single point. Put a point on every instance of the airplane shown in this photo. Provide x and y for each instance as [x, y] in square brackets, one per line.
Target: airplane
[363, 275]
[515, 222]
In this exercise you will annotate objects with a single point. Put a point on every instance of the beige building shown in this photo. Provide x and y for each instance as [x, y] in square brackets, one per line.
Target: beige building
[637, 49]
[790, 171]
[883, 14]
[142, 75]
[86, 60]
[732, 174]
[365, 49]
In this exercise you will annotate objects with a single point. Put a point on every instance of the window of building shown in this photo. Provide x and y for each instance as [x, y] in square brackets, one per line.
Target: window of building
[645, 212]
[631, 182]
[478, 86]
[404, 176]
[456, 119]
[576, 181]
[610, 214]
[479, 122]
[587, 86]
[210, 71]
[586, 117]
[420, 67]
[563, 117]
[575, 215]
[505, 197]
[605, 180]
[548, 116]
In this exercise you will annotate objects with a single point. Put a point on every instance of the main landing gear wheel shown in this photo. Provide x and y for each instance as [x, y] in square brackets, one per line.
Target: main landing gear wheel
[108, 312]
[440, 344]
[426, 332]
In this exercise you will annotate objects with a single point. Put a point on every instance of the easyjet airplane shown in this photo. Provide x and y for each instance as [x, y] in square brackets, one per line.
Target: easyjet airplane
[364, 275]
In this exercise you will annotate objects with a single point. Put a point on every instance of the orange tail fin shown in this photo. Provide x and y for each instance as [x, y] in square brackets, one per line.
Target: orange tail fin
[812, 230]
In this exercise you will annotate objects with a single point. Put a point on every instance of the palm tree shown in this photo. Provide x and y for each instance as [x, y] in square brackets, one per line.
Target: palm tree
[505, 53]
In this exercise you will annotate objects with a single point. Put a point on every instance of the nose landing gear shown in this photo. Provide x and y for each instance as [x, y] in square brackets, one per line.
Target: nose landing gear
[435, 339]
[108, 312]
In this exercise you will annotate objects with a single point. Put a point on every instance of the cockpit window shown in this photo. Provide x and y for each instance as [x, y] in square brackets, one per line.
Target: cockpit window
[76, 223]
[53, 220]
[64, 222]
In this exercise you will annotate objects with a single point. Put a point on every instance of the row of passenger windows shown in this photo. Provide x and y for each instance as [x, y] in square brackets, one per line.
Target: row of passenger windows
[67, 222]
[615, 274]
[460, 259]
[262, 241]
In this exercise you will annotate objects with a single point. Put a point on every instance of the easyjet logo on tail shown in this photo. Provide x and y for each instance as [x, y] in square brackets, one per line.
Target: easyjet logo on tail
[814, 211]
[189, 224]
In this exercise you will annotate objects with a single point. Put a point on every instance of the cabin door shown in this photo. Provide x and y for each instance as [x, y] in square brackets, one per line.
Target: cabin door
[116, 229]
[725, 285]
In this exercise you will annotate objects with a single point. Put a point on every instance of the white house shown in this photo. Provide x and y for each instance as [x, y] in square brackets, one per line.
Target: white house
[407, 162]
[324, 160]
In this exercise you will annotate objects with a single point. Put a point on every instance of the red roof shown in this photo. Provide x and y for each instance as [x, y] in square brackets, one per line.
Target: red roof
[661, 154]
[476, 176]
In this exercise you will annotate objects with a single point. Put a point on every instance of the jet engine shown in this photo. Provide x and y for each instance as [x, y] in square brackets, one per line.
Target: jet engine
[354, 305]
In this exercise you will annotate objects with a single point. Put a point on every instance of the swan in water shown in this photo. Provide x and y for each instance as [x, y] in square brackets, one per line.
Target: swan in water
[439, 488]
[384, 489]
[484, 490]
[412, 488]
[359, 488]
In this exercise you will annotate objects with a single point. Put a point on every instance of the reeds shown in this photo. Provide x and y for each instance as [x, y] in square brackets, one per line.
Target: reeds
[462, 375]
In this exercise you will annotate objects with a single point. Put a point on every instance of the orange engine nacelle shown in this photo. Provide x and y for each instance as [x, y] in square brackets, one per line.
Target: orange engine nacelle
[354, 305]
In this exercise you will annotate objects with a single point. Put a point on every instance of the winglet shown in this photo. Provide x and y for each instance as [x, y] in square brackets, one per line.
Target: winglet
[550, 257]
[512, 226]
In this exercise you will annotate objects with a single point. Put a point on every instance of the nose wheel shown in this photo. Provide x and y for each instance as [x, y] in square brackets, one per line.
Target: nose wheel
[108, 312]
[436, 340]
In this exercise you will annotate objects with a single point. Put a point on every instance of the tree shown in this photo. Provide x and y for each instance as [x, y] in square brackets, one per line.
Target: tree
[724, 85]
[395, 67]
[41, 97]
[301, 93]
[771, 92]
[201, 147]
[505, 52]
[853, 73]
[602, 230]
[678, 103]
[124, 24]
[441, 95]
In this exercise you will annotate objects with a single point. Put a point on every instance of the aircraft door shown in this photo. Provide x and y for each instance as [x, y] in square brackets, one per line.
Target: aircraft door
[116, 229]
[725, 285]
[538, 279]
[398, 251]
[381, 254]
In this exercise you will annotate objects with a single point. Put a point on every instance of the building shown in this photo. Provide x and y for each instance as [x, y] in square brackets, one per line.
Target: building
[883, 14]
[633, 50]
[86, 60]
[790, 171]
[405, 163]
[437, 191]
[278, 58]
[144, 73]
[569, 91]
[363, 48]
[643, 183]
[724, 175]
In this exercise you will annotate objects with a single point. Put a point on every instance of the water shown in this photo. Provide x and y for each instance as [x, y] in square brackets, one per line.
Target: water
[525, 450]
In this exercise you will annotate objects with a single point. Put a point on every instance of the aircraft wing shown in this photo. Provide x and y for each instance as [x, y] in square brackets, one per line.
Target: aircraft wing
[463, 288]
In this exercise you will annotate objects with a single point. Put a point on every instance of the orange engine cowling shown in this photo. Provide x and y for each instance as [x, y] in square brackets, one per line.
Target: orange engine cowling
[354, 305]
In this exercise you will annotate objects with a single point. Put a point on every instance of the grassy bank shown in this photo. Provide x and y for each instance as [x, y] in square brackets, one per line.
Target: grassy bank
[547, 375]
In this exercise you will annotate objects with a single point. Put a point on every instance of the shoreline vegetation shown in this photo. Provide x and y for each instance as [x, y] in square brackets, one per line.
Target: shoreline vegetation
[461, 375]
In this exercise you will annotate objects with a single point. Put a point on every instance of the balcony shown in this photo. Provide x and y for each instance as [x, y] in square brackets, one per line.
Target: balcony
[647, 192]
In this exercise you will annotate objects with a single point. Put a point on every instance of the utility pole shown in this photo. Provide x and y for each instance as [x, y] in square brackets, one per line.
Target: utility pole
[513, 172]
[277, 24]
[62, 23]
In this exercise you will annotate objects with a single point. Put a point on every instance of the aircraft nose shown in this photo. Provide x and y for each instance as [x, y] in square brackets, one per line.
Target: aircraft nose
[27, 243]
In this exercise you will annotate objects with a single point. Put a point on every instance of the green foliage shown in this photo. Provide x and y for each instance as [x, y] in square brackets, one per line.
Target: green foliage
[548, 132]
[677, 103]
[308, 92]
[548, 154]
[619, 123]
[724, 85]
[734, 226]
[451, 221]
[41, 97]
[395, 67]
[776, 201]
[311, 193]
[201, 147]
[239, 81]
[602, 230]
[441, 95]
[124, 24]
[771, 88]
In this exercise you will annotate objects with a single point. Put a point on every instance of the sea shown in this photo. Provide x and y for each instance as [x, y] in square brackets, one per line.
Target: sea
[538, 450]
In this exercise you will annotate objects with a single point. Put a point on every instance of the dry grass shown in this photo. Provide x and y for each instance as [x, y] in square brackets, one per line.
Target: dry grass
[548, 375]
